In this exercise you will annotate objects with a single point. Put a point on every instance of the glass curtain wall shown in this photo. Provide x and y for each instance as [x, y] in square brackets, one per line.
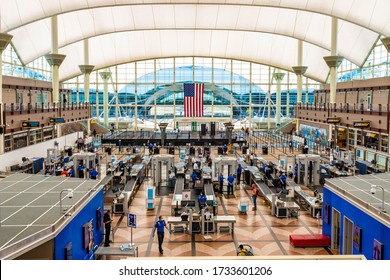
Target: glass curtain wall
[152, 90]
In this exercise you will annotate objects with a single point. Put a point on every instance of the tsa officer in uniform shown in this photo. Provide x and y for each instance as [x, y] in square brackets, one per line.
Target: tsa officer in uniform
[160, 225]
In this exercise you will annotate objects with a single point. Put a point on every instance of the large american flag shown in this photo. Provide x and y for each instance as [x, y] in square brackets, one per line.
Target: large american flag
[193, 100]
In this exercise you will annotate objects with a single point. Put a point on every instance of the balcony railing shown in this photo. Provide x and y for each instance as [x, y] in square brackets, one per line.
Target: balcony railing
[346, 107]
[19, 108]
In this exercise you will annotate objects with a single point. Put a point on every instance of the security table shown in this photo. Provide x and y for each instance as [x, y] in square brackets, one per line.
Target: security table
[177, 221]
[225, 219]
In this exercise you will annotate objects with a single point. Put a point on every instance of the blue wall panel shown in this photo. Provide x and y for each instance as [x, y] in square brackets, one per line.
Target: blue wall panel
[73, 232]
[371, 228]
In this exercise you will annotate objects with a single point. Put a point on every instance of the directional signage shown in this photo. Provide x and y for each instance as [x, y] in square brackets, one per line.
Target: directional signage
[56, 120]
[30, 124]
[362, 124]
[131, 220]
[333, 120]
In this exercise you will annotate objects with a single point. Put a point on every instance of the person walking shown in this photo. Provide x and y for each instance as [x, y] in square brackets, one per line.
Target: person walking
[107, 226]
[255, 193]
[159, 226]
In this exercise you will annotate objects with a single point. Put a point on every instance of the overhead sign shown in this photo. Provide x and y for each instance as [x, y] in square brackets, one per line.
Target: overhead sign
[131, 220]
[333, 120]
[362, 124]
[56, 120]
[30, 124]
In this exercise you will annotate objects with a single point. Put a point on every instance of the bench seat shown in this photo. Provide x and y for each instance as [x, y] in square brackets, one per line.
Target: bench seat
[309, 240]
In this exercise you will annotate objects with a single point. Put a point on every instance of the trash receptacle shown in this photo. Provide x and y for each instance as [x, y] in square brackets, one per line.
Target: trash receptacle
[108, 151]
[265, 150]
[244, 150]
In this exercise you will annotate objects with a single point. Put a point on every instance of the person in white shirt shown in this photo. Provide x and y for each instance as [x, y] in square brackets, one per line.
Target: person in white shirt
[196, 166]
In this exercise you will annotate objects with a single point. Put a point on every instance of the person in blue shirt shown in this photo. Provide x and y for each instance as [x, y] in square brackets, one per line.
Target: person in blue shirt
[194, 177]
[221, 183]
[224, 149]
[93, 174]
[230, 184]
[239, 171]
[296, 176]
[159, 226]
[201, 197]
[80, 169]
[150, 147]
[71, 172]
[283, 180]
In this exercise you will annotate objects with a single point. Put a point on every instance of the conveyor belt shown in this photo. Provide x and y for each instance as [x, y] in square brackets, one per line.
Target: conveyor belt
[208, 189]
[263, 188]
[130, 185]
[179, 186]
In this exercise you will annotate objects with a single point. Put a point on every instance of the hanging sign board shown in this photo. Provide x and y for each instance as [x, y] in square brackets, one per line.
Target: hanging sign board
[30, 124]
[56, 120]
[362, 124]
[333, 120]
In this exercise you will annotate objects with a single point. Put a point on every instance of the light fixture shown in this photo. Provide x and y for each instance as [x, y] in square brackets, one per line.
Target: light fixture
[69, 195]
[373, 191]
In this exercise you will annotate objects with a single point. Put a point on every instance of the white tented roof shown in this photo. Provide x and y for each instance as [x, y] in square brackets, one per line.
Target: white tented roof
[262, 31]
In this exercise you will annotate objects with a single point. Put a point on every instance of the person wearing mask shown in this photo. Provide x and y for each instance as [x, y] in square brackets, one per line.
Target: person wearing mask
[201, 197]
[230, 184]
[159, 226]
[107, 226]
[93, 174]
[221, 183]
[239, 171]
[255, 193]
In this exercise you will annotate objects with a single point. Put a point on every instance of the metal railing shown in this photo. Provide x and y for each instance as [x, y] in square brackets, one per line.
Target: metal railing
[345, 107]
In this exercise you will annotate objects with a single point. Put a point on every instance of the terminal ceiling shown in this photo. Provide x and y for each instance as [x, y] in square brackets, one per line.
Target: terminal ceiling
[262, 31]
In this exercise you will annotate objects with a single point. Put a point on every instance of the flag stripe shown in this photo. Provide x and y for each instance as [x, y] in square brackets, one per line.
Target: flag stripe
[193, 100]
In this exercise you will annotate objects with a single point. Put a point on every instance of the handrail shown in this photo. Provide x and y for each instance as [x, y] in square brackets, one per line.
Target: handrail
[345, 107]
[29, 107]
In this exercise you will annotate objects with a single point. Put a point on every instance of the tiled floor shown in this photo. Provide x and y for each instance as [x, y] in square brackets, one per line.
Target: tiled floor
[267, 234]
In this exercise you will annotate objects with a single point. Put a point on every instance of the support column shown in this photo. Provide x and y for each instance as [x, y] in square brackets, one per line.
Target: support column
[249, 115]
[105, 77]
[5, 39]
[55, 59]
[278, 77]
[299, 70]
[86, 70]
[269, 99]
[333, 62]
[136, 97]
